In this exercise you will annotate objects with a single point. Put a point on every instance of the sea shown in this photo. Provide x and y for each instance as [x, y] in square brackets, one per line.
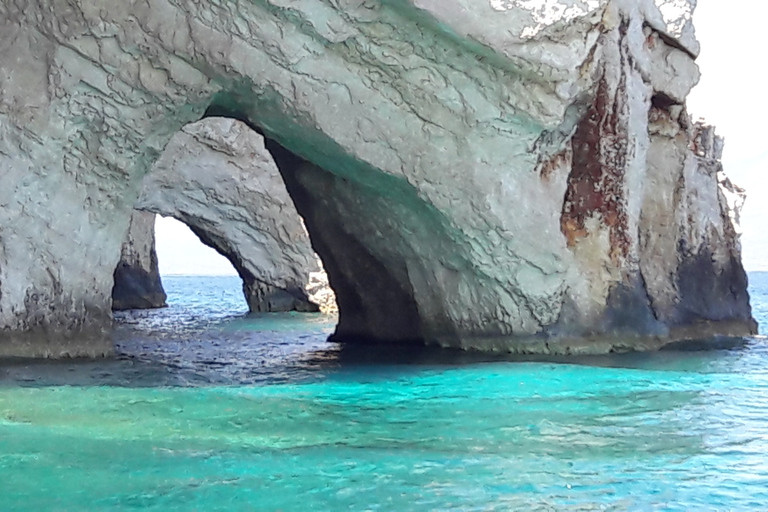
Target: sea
[208, 408]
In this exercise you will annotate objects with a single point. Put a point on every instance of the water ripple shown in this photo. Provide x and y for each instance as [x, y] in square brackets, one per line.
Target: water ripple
[207, 408]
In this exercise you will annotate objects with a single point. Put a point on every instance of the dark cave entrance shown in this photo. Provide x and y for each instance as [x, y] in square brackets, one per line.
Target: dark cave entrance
[368, 226]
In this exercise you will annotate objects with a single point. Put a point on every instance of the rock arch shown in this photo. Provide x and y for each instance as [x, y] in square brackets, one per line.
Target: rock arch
[216, 177]
[473, 174]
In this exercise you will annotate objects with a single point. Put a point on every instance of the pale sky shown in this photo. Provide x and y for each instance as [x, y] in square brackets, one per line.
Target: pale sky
[180, 252]
[731, 95]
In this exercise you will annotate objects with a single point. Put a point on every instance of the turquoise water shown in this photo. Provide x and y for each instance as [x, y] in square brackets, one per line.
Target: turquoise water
[207, 409]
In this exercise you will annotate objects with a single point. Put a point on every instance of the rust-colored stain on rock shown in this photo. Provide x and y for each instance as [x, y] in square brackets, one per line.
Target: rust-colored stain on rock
[596, 182]
[560, 160]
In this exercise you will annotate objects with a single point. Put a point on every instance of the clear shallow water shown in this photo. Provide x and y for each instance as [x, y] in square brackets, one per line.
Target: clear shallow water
[208, 409]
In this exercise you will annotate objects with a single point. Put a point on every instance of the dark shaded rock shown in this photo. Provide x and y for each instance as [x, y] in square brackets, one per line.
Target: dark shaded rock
[135, 288]
[375, 301]
[137, 277]
[710, 291]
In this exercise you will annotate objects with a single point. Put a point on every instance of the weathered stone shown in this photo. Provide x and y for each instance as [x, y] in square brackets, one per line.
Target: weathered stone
[690, 251]
[137, 277]
[216, 177]
[504, 175]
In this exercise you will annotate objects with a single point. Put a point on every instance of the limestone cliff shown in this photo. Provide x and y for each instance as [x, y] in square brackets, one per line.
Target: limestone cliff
[217, 178]
[137, 277]
[497, 174]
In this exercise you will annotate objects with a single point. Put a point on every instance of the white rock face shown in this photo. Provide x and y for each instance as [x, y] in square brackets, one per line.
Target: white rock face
[509, 175]
[216, 177]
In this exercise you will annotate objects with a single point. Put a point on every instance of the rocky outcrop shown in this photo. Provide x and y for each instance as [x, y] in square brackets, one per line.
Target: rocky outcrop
[137, 277]
[216, 177]
[504, 175]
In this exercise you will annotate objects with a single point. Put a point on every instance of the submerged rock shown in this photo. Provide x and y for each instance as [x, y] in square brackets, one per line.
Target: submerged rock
[498, 175]
[216, 177]
[137, 277]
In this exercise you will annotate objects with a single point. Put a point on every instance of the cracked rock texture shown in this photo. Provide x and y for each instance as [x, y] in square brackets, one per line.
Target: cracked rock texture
[494, 174]
[137, 277]
[216, 177]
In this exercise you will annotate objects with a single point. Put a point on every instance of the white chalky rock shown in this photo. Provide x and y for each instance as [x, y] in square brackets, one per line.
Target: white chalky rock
[508, 175]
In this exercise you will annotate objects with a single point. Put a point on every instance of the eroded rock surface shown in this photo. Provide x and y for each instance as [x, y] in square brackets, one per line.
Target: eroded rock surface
[496, 174]
[217, 178]
[137, 276]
